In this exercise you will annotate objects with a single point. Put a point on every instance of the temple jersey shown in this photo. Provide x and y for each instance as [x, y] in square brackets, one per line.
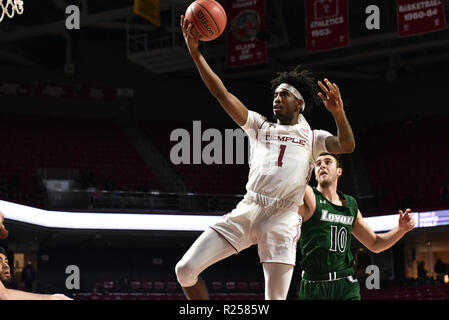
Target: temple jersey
[282, 157]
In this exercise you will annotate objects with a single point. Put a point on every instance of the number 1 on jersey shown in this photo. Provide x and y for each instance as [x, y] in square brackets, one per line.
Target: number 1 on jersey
[281, 155]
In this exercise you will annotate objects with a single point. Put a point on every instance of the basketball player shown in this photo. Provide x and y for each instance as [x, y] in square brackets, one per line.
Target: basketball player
[329, 219]
[5, 277]
[281, 162]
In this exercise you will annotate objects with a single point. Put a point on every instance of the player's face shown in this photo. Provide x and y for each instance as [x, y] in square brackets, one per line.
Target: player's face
[285, 105]
[326, 171]
[5, 273]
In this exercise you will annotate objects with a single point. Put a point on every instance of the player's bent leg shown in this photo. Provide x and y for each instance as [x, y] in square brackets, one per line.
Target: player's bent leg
[196, 292]
[209, 248]
[277, 280]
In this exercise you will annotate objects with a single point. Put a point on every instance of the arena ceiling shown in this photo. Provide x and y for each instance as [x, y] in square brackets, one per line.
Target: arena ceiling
[38, 39]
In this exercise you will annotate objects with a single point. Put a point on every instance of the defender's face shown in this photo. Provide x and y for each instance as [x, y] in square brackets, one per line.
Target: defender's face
[5, 272]
[326, 171]
[285, 105]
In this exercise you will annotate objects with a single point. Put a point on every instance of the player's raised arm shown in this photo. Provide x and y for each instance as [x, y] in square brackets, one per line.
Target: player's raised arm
[233, 106]
[344, 142]
[383, 241]
[308, 207]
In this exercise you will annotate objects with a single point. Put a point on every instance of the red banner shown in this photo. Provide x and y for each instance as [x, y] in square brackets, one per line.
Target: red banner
[99, 94]
[327, 24]
[55, 91]
[246, 20]
[418, 17]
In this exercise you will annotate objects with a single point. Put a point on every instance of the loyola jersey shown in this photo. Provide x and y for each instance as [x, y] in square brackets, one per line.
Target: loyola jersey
[326, 237]
[282, 157]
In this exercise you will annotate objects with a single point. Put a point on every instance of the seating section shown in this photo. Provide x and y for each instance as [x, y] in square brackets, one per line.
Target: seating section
[145, 289]
[200, 178]
[164, 296]
[422, 292]
[91, 145]
[240, 290]
[408, 163]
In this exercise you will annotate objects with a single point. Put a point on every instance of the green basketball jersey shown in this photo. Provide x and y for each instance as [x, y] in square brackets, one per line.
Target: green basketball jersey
[326, 237]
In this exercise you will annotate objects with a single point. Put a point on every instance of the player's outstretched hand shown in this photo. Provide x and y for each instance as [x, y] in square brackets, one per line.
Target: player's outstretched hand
[406, 221]
[60, 296]
[331, 96]
[191, 41]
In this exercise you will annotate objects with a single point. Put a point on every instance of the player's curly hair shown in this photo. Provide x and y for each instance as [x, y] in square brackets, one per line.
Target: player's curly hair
[304, 81]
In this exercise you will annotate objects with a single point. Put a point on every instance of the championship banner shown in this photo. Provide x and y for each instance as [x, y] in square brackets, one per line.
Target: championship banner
[55, 91]
[149, 9]
[246, 20]
[95, 93]
[418, 17]
[327, 24]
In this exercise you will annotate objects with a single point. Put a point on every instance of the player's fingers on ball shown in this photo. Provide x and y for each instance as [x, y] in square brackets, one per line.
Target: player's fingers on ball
[191, 31]
[183, 22]
[186, 25]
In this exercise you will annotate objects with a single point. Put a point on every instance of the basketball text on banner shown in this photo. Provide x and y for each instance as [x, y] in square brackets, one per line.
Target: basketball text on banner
[246, 21]
[418, 17]
[327, 24]
[149, 9]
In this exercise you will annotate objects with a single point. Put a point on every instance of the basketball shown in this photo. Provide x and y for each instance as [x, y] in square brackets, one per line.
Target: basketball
[208, 18]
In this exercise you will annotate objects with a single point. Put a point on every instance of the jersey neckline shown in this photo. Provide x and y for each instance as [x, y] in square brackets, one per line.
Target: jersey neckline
[341, 195]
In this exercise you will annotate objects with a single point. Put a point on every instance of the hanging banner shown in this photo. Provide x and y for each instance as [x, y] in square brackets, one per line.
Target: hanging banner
[96, 93]
[418, 17]
[327, 24]
[149, 9]
[246, 21]
[55, 91]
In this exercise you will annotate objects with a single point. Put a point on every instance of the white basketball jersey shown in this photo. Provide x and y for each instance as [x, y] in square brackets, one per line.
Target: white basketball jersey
[282, 157]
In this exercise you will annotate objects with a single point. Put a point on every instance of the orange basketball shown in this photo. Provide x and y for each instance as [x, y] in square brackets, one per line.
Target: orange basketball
[208, 18]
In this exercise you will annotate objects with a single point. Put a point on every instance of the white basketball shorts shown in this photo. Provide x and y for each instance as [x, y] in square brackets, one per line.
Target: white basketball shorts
[274, 229]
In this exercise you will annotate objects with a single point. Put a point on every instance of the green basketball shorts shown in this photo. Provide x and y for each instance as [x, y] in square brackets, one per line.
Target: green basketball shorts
[346, 288]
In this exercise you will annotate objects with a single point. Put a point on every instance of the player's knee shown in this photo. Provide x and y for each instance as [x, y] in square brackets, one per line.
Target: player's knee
[272, 292]
[275, 296]
[185, 273]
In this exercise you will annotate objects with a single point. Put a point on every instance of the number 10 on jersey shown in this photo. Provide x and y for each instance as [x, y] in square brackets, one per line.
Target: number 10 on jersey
[338, 239]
